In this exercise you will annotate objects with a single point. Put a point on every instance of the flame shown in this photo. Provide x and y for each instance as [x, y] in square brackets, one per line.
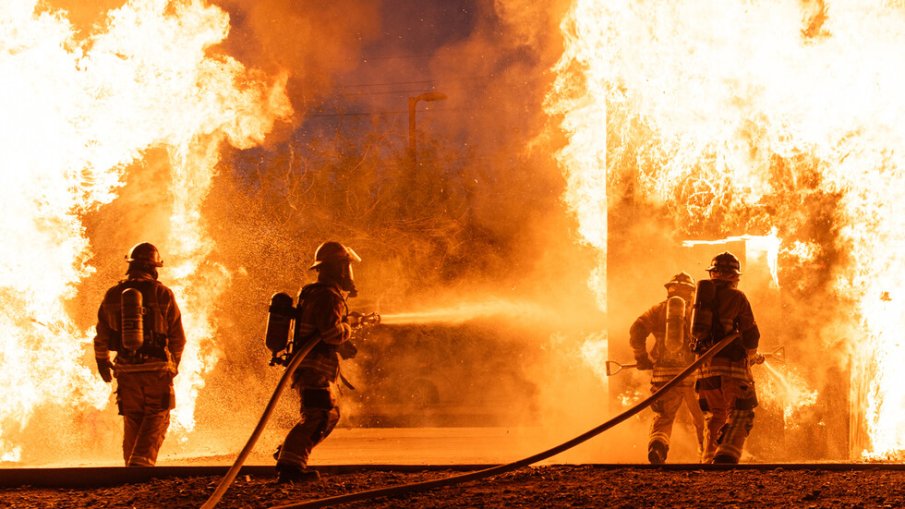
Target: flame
[582, 105]
[729, 113]
[594, 351]
[78, 113]
[803, 251]
[630, 397]
[767, 246]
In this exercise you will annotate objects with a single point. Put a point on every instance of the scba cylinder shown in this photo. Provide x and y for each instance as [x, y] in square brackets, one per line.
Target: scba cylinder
[133, 320]
[675, 324]
[279, 322]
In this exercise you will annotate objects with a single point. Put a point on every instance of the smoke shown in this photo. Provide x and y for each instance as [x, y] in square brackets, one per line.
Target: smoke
[313, 44]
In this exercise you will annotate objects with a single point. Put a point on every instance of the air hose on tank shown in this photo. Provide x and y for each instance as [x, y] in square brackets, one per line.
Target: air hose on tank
[233, 471]
[500, 469]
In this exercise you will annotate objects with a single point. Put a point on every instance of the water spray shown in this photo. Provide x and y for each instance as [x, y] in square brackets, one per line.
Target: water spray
[779, 377]
[467, 311]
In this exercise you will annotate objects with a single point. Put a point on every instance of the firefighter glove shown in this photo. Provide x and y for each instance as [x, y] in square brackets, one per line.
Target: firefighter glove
[700, 345]
[757, 358]
[354, 319]
[103, 367]
[644, 362]
[347, 331]
[347, 350]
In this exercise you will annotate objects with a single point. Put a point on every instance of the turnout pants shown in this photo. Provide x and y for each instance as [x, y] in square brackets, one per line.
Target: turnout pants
[665, 410]
[319, 415]
[728, 404]
[144, 400]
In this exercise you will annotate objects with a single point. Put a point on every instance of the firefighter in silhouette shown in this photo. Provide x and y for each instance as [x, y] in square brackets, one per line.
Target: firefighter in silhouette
[725, 386]
[669, 322]
[140, 321]
[322, 314]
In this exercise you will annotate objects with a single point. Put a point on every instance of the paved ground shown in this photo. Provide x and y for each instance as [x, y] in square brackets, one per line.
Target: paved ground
[548, 486]
[573, 479]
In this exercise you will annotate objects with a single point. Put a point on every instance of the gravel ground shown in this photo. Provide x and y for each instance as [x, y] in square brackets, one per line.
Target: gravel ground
[547, 486]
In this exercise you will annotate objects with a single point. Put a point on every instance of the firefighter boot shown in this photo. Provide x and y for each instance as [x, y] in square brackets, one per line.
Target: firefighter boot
[656, 452]
[294, 474]
[724, 459]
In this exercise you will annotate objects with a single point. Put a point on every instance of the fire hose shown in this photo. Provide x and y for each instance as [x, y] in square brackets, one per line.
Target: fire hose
[500, 469]
[231, 474]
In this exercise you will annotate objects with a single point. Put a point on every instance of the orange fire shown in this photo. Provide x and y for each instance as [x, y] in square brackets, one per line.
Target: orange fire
[706, 100]
[79, 112]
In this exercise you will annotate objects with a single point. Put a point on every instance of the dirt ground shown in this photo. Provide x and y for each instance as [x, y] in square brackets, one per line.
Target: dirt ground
[548, 486]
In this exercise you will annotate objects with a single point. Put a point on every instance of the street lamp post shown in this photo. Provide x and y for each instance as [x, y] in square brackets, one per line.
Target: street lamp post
[413, 101]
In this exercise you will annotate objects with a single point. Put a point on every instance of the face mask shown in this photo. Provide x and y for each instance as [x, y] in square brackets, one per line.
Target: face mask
[341, 275]
[347, 280]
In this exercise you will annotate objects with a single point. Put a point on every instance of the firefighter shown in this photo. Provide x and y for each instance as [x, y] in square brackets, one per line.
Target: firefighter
[323, 314]
[725, 386]
[670, 357]
[140, 321]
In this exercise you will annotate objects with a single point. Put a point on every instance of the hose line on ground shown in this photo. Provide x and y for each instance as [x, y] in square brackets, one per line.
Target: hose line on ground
[233, 471]
[487, 472]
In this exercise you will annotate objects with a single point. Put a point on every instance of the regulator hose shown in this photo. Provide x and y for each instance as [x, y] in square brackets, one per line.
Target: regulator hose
[500, 469]
[233, 471]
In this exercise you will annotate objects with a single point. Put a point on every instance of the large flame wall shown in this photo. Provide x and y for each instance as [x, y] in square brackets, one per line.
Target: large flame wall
[77, 113]
[739, 117]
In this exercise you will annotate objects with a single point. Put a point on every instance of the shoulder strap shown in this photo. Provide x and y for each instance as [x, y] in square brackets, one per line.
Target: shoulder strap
[716, 329]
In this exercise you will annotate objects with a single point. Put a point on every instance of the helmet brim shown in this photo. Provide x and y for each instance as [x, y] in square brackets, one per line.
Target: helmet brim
[152, 263]
[351, 256]
[683, 285]
[725, 269]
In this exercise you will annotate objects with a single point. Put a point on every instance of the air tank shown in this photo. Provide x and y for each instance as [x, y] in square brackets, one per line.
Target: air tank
[279, 322]
[133, 320]
[675, 324]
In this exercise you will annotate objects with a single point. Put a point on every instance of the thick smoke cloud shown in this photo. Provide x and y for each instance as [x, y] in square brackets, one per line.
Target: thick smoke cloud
[313, 43]
[474, 217]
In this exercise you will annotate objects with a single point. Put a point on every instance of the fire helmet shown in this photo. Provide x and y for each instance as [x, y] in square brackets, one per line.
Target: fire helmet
[682, 279]
[145, 252]
[332, 251]
[725, 262]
